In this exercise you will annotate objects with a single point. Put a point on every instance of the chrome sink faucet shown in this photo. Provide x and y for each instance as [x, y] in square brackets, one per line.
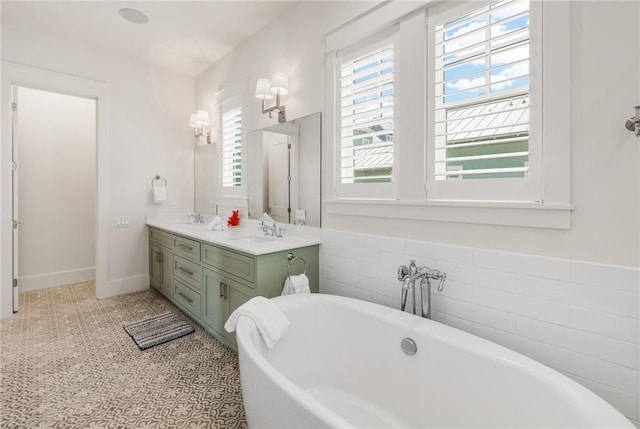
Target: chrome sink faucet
[272, 231]
[197, 218]
[409, 275]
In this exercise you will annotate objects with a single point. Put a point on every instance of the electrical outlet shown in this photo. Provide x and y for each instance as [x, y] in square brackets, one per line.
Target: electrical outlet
[121, 222]
[174, 205]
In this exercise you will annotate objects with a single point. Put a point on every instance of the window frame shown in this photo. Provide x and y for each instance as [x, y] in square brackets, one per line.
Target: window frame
[516, 190]
[554, 210]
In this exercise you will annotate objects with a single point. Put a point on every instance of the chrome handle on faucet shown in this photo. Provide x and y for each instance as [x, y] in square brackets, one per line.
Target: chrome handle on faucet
[413, 268]
[403, 272]
[437, 275]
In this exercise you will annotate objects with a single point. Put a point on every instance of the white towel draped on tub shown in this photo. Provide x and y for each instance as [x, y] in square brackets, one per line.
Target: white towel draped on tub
[296, 284]
[270, 320]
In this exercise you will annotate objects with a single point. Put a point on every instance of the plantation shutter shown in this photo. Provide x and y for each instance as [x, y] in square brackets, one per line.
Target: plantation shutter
[366, 115]
[232, 148]
[482, 93]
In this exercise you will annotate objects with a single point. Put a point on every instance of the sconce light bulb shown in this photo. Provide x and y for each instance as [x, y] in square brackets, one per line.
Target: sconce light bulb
[203, 118]
[280, 83]
[263, 89]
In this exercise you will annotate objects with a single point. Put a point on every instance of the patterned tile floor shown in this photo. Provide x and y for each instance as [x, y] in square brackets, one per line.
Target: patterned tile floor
[66, 362]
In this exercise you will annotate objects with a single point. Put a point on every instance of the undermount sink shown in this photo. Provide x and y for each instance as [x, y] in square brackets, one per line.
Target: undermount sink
[252, 239]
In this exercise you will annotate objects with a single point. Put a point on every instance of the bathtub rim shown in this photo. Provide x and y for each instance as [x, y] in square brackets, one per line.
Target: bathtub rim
[447, 334]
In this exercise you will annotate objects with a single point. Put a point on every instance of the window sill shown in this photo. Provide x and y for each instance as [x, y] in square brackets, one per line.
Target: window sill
[531, 215]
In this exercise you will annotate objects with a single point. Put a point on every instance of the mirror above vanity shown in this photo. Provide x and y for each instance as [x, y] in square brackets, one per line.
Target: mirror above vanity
[282, 166]
[283, 171]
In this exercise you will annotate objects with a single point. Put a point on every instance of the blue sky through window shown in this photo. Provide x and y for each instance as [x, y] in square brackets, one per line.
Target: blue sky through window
[476, 64]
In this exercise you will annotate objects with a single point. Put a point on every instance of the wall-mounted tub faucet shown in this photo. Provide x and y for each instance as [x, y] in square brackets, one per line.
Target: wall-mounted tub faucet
[408, 277]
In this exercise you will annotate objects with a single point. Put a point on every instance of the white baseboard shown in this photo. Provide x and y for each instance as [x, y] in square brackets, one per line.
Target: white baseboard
[44, 281]
[126, 285]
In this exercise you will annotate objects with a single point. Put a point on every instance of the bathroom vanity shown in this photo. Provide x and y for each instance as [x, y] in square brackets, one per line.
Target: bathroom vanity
[209, 274]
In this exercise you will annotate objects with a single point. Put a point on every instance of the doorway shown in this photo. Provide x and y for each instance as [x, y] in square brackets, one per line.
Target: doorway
[54, 189]
[32, 77]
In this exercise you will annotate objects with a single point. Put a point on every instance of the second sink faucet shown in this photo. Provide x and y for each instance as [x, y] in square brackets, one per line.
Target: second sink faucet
[273, 231]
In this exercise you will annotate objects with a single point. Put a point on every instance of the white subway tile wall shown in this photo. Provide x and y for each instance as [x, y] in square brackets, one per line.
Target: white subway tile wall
[580, 318]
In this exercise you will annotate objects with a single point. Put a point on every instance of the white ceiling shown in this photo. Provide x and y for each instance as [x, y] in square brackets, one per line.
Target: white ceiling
[183, 36]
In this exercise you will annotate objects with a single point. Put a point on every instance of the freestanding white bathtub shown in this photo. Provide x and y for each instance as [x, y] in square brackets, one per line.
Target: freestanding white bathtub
[340, 365]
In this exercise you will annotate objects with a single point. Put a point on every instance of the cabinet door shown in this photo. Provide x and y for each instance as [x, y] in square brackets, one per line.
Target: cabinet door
[155, 267]
[216, 307]
[166, 284]
[237, 294]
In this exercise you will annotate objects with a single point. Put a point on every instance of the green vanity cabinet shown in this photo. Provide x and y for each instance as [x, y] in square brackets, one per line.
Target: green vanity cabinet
[160, 263]
[210, 281]
[231, 278]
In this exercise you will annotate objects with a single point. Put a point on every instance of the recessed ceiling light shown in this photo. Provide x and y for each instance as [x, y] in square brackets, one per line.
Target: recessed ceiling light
[133, 15]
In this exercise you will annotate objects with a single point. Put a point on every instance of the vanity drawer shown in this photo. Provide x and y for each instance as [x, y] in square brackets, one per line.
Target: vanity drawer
[160, 237]
[187, 298]
[186, 248]
[187, 271]
[239, 265]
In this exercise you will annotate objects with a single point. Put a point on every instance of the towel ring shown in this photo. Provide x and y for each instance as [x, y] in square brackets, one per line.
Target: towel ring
[293, 259]
[159, 178]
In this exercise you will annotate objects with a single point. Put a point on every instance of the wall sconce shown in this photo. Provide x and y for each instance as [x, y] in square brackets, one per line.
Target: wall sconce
[633, 124]
[199, 121]
[265, 89]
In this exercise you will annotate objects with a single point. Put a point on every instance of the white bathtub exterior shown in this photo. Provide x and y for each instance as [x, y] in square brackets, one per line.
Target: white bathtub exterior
[340, 366]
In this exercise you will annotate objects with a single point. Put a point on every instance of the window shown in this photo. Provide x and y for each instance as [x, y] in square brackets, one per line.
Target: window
[232, 148]
[482, 93]
[482, 103]
[458, 133]
[365, 93]
[366, 116]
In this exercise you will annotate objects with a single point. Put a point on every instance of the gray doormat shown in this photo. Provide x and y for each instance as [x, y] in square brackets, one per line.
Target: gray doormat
[157, 330]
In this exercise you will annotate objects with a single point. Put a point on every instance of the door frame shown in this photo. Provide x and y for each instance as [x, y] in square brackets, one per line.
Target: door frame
[31, 77]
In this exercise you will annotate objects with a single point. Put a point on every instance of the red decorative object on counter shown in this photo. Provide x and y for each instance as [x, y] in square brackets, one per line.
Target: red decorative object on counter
[234, 219]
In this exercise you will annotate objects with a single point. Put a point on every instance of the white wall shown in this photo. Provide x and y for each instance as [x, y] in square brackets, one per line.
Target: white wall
[605, 173]
[550, 294]
[148, 134]
[57, 188]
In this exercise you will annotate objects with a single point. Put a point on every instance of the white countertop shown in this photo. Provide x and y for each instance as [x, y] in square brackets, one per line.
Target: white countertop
[245, 238]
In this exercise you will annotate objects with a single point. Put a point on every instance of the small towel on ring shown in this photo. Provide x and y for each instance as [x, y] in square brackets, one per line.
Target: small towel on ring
[159, 194]
[296, 284]
[269, 319]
